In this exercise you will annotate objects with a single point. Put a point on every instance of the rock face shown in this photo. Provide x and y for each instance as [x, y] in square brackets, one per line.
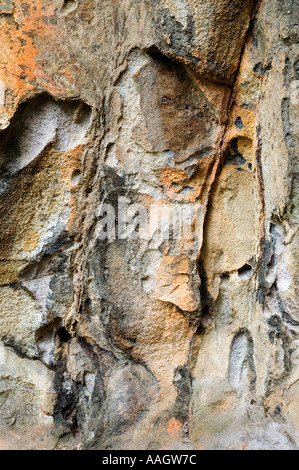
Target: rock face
[180, 333]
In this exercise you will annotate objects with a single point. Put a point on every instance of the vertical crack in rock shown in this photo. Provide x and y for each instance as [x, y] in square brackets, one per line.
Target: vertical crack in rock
[207, 319]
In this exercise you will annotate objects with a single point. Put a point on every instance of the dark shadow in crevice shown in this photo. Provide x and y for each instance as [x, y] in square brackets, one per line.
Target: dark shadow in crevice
[246, 272]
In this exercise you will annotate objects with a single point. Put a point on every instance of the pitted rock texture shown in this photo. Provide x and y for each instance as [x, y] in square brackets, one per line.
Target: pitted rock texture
[137, 340]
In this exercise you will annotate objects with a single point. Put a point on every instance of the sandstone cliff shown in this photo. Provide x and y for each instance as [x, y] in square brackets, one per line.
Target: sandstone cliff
[130, 338]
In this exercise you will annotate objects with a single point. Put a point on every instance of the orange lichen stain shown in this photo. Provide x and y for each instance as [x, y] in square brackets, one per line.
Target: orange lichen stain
[18, 55]
[171, 176]
[174, 427]
[243, 446]
[175, 181]
[31, 241]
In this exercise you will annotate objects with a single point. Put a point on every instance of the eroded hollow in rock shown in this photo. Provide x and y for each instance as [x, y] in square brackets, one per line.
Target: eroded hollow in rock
[38, 123]
[68, 6]
[245, 272]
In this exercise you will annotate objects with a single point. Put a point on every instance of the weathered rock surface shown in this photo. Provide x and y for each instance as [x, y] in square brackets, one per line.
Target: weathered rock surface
[149, 338]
